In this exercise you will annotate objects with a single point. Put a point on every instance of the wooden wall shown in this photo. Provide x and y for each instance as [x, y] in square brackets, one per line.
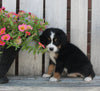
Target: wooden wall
[73, 17]
[95, 37]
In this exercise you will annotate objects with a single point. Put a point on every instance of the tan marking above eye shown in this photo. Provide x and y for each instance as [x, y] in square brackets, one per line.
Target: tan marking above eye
[48, 38]
[55, 39]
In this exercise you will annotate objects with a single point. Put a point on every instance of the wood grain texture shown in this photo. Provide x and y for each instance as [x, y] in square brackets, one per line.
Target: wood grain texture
[46, 62]
[34, 6]
[95, 36]
[27, 64]
[56, 15]
[11, 7]
[79, 13]
[24, 83]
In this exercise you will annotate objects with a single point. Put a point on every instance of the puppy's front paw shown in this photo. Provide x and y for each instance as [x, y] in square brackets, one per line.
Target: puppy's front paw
[53, 79]
[46, 75]
[88, 79]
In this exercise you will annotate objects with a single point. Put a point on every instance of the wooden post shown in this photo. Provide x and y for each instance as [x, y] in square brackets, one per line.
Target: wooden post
[95, 36]
[11, 7]
[28, 63]
[56, 15]
[79, 13]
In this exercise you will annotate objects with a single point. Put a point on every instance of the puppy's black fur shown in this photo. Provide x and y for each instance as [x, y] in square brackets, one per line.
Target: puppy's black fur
[69, 56]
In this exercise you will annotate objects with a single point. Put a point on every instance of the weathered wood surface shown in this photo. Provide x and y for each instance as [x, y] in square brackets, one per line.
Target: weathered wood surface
[27, 64]
[79, 13]
[95, 36]
[30, 64]
[11, 7]
[34, 6]
[56, 15]
[41, 84]
[46, 62]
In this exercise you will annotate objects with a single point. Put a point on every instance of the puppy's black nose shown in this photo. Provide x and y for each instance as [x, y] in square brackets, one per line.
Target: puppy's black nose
[51, 49]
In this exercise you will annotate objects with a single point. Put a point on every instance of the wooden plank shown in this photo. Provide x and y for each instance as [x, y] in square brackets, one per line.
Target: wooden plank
[11, 7]
[27, 64]
[79, 13]
[34, 6]
[95, 36]
[24, 83]
[46, 62]
[56, 15]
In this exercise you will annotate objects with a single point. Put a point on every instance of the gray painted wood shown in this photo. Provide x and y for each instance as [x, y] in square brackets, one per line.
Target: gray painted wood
[27, 64]
[56, 15]
[11, 7]
[34, 6]
[46, 62]
[21, 83]
[30, 64]
[95, 36]
[79, 13]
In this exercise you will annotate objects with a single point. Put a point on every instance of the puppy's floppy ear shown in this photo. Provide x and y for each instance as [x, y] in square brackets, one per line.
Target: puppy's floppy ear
[42, 38]
[63, 37]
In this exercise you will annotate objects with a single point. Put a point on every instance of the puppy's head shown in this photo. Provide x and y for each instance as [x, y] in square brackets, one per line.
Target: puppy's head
[53, 39]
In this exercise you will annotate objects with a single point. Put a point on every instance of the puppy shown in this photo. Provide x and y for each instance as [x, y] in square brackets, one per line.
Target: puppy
[65, 56]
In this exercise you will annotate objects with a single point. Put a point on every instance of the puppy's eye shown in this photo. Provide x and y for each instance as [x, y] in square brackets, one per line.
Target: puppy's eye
[48, 38]
[55, 39]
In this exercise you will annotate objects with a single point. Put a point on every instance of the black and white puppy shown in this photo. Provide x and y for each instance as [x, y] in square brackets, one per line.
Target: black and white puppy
[65, 56]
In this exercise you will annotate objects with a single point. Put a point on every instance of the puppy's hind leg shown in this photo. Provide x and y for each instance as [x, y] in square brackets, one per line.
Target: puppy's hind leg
[75, 75]
[88, 79]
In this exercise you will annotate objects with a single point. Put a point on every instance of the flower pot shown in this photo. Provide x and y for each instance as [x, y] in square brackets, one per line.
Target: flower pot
[6, 59]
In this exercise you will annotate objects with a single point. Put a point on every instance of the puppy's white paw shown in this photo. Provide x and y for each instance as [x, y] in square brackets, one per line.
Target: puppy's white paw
[88, 79]
[53, 79]
[46, 76]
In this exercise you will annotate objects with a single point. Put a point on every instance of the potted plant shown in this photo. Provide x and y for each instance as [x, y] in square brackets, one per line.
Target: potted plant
[16, 32]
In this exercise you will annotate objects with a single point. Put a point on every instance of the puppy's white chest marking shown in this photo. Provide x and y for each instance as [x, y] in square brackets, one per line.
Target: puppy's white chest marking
[53, 56]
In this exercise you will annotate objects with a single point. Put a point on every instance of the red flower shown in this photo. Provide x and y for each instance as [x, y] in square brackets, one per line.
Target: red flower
[29, 13]
[2, 43]
[0, 9]
[3, 8]
[41, 45]
[11, 38]
[28, 33]
[19, 37]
